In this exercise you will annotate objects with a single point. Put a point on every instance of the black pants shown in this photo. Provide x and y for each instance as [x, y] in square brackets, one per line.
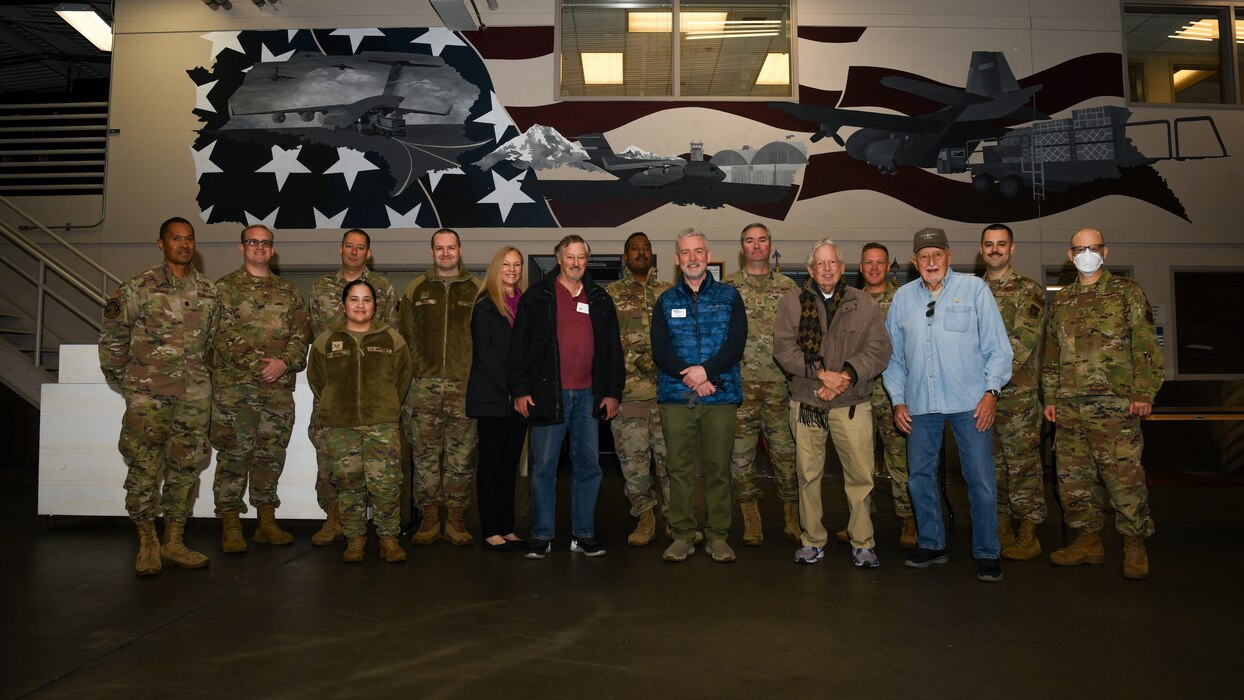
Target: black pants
[500, 445]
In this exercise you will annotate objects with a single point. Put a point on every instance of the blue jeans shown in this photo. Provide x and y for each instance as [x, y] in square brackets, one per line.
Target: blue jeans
[546, 447]
[976, 457]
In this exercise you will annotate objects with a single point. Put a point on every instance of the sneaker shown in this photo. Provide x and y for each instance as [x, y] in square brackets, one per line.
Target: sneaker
[988, 570]
[924, 558]
[865, 558]
[679, 550]
[809, 555]
[539, 549]
[587, 547]
[719, 550]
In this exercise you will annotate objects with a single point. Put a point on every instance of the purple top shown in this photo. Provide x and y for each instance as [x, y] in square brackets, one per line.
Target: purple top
[512, 303]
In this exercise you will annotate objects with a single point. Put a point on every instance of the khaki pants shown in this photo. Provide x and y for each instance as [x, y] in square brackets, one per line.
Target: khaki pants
[853, 440]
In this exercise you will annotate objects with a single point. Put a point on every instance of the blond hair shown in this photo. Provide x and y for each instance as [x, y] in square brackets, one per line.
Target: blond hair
[493, 286]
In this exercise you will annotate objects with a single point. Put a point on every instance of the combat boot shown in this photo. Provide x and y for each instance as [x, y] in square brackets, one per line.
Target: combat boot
[1135, 558]
[268, 531]
[645, 531]
[669, 533]
[148, 562]
[1006, 533]
[1084, 549]
[455, 530]
[429, 526]
[908, 537]
[330, 531]
[176, 552]
[843, 536]
[1026, 544]
[793, 530]
[391, 551]
[753, 533]
[355, 547]
[231, 539]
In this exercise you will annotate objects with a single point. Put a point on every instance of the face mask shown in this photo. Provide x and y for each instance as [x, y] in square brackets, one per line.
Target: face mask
[1088, 262]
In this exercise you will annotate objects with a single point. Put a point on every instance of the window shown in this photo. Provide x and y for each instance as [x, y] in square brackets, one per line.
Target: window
[723, 48]
[1181, 54]
[1209, 306]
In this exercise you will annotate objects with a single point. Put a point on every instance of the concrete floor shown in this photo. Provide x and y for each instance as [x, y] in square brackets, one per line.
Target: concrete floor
[296, 622]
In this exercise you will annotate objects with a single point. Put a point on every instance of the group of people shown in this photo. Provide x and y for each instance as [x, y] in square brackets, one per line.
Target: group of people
[686, 374]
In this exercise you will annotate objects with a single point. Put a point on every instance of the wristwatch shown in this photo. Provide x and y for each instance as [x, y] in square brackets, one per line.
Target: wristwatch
[992, 391]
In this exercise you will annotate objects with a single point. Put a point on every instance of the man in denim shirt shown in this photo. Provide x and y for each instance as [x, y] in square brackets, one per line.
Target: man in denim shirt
[951, 359]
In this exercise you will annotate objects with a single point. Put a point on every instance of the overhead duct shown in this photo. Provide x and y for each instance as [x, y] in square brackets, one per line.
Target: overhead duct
[457, 16]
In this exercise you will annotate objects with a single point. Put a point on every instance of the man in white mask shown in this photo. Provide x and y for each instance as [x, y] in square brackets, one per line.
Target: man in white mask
[1102, 369]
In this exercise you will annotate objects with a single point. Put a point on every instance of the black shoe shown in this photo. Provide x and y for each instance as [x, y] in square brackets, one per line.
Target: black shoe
[522, 545]
[587, 547]
[988, 570]
[924, 558]
[539, 549]
[505, 546]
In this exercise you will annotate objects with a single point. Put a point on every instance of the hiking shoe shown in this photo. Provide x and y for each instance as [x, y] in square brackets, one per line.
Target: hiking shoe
[539, 549]
[719, 550]
[988, 570]
[865, 558]
[809, 555]
[679, 550]
[587, 546]
[924, 558]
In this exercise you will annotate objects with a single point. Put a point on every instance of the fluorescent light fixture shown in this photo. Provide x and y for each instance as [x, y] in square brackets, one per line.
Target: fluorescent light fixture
[663, 22]
[1186, 78]
[1206, 30]
[602, 68]
[89, 24]
[775, 71]
[728, 35]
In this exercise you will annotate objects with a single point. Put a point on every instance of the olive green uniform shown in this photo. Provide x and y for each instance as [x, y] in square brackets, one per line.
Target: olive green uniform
[893, 442]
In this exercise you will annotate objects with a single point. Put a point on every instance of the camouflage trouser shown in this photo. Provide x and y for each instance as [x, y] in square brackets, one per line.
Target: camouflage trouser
[163, 437]
[1095, 437]
[251, 427]
[640, 445]
[893, 450]
[1017, 456]
[325, 489]
[763, 408]
[366, 464]
[435, 420]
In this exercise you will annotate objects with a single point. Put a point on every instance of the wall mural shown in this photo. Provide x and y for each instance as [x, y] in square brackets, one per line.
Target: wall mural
[402, 128]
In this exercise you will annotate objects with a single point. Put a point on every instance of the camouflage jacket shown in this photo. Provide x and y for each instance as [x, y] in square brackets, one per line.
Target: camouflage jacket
[155, 334]
[883, 300]
[1101, 341]
[258, 317]
[1022, 304]
[634, 302]
[761, 295]
[435, 322]
[326, 310]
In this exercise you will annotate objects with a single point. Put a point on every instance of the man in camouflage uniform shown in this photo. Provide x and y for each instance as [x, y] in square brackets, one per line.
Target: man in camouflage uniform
[1017, 427]
[260, 344]
[326, 313]
[875, 269]
[436, 324]
[1102, 369]
[152, 344]
[765, 396]
[637, 428]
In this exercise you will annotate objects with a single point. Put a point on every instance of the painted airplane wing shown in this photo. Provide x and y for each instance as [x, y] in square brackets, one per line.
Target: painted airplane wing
[955, 97]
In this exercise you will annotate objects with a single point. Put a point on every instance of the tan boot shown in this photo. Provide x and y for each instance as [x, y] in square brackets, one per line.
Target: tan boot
[669, 533]
[391, 551]
[429, 526]
[793, 530]
[843, 536]
[148, 562]
[907, 539]
[455, 530]
[1135, 558]
[1084, 549]
[645, 530]
[355, 547]
[231, 539]
[1026, 544]
[176, 552]
[753, 533]
[268, 531]
[1006, 533]
[330, 531]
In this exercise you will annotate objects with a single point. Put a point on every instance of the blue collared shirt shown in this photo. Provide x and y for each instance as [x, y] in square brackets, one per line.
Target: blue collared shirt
[946, 363]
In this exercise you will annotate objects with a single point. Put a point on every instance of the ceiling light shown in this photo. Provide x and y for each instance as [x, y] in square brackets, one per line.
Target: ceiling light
[1206, 30]
[663, 22]
[602, 68]
[728, 35]
[775, 71]
[89, 24]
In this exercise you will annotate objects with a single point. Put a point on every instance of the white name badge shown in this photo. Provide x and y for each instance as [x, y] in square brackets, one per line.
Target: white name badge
[582, 307]
[678, 313]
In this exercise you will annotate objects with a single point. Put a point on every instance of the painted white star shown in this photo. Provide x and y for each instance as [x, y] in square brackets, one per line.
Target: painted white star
[206, 214]
[200, 96]
[498, 117]
[507, 194]
[203, 161]
[223, 40]
[322, 221]
[408, 220]
[266, 56]
[438, 38]
[435, 176]
[269, 220]
[291, 33]
[350, 163]
[356, 36]
[283, 164]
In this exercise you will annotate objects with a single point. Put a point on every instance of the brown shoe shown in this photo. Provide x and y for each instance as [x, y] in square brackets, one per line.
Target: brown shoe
[753, 533]
[391, 550]
[455, 530]
[268, 531]
[1135, 558]
[793, 530]
[843, 536]
[1006, 532]
[645, 530]
[176, 552]
[330, 531]
[669, 533]
[355, 548]
[907, 539]
[429, 526]
[231, 539]
[148, 561]
[1084, 549]
[1026, 544]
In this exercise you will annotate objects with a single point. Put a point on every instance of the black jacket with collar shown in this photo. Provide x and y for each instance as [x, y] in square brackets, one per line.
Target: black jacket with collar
[488, 395]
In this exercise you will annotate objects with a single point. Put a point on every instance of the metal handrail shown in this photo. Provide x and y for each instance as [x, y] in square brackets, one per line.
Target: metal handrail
[56, 237]
[55, 265]
[90, 319]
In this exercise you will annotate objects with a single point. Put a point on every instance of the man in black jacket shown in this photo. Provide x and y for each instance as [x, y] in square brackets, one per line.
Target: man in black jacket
[565, 371]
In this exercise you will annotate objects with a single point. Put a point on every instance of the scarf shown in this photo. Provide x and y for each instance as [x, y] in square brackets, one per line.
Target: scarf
[810, 339]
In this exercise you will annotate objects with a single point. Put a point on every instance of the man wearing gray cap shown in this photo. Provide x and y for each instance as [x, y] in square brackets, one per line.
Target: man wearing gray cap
[951, 359]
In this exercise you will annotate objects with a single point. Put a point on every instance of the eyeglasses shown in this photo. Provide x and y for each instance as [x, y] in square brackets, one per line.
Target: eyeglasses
[257, 243]
[929, 312]
[1096, 248]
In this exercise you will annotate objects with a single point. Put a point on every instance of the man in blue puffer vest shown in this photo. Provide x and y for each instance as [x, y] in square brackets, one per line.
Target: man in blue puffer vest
[699, 330]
